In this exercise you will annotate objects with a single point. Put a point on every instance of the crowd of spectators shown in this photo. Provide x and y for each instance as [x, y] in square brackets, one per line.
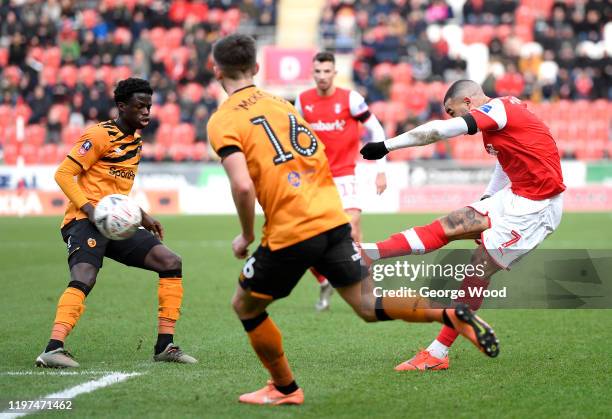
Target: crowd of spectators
[408, 51]
[60, 59]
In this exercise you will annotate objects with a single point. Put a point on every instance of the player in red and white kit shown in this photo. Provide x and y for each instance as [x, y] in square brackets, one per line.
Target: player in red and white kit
[508, 221]
[335, 114]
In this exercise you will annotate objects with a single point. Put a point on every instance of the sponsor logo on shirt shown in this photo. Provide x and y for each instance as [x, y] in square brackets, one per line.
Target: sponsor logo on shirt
[485, 108]
[122, 173]
[85, 147]
[337, 125]
[309, 108]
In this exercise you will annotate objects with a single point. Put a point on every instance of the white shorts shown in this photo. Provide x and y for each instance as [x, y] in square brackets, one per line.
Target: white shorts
[518, 225]
[349, 192]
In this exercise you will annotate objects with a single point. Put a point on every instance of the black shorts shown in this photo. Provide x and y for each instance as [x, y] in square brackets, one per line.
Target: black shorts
[86, 244]
[273, 275]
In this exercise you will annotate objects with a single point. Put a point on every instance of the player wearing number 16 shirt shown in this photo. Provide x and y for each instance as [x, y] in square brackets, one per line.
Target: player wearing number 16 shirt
[270, 153]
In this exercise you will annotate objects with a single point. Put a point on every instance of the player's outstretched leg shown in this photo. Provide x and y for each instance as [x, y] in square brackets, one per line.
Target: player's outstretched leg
[170, 297]
[69, 309]
[266, 340]
[414, 309]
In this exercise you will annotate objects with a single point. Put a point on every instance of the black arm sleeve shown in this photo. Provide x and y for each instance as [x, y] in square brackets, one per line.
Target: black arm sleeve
[471, 123]
[227, 150]
[363, 116]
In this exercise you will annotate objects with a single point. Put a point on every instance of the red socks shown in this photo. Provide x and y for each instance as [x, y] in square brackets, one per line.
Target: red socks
[320, 278]
[417, 240]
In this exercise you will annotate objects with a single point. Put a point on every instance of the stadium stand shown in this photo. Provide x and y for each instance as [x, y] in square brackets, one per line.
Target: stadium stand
[556, 55]
[59, 61]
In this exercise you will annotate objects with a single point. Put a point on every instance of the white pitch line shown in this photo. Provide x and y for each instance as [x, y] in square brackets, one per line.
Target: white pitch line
[72, 392]
[55, 372]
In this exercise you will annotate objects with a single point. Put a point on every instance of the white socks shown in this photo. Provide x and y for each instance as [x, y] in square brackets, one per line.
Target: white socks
[437, 349]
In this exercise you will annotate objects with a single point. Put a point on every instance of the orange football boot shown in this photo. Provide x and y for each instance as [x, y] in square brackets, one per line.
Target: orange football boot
[473, 328]
[424, 361]
[270, 395]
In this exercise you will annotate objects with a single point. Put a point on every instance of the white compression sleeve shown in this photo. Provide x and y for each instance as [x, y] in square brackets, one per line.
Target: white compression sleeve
[498, 181]
[378, 134]
[428, 133]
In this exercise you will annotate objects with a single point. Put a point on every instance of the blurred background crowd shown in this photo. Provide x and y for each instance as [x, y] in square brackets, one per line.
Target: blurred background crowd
[60, 59]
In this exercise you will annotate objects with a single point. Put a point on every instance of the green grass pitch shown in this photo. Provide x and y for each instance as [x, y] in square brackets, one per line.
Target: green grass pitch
[553, 363]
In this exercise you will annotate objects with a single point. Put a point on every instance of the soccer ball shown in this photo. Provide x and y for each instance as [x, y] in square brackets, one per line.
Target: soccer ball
[117, 216]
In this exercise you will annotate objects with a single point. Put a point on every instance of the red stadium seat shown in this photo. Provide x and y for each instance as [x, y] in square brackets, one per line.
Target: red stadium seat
[194, 91]
[174, 37]
[6, 115]
[122, 36]
[70, 134]
[402, 73]
[48, 154]
[198, 11]
[157, 36]
[170, 113]
[215, 16]
[35, 134]
[61, 111]
[49, 75]
[396, 112]
[121, 73]
[383, 70]
[106, 74]
[4, 56]
[200, 152]
[87, 75]
[416, 103]
[63, 150]
[9, 135]
[69, 74]
[503, 32]
[22, 110]
[165, 134]
[178, 152]
[400, 92]
[13, 74]
[29, 153]
[10, 154]
[52, 57]
[184, 134]
[89, 18]
[379, 109]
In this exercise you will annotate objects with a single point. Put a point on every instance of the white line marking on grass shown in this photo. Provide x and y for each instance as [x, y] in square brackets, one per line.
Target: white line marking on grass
[56, 372]
[72, 392]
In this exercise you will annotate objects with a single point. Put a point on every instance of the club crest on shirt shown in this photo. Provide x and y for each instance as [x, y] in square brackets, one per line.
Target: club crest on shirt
[337, 108]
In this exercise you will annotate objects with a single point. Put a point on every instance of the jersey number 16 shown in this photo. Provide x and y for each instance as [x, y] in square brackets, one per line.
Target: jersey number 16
[295, 129]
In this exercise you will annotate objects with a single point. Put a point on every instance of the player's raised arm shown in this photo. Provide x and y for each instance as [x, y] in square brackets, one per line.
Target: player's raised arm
[425, 134]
